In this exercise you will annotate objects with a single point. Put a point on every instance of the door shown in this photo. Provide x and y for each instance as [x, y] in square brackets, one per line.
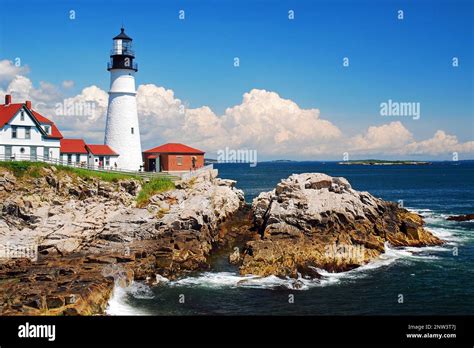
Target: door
[101, 161]
[33, 153]
[8, 152]
[152, 165]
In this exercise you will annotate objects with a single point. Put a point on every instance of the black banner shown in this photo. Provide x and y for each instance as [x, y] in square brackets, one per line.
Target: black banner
[211, 330]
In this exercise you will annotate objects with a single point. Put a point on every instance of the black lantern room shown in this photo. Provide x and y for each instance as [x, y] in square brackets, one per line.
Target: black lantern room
[122, 55]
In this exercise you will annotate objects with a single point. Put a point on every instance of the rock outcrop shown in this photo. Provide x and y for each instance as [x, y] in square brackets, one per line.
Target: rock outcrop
[313, 221]
[465, 217]
[89, 235]
[83, 226]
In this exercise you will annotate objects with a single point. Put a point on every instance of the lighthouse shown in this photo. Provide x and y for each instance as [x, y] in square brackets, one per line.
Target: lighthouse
[122, 132]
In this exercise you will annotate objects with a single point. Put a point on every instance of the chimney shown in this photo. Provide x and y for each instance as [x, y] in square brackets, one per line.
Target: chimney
[8, 99]
[28, 104]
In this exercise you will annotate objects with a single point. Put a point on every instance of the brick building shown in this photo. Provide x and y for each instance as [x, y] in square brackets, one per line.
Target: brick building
[173, 157]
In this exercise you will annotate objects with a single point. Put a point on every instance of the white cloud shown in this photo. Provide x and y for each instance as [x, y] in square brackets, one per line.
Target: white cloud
[264, 121]
[440, 143]
[83, 116]
[21, 88]
[388, 137]
[8, 70]
[273, 125]
[67, 84]
[394, 139]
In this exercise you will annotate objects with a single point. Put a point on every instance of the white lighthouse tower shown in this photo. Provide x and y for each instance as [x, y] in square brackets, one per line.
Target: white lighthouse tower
[122, 133]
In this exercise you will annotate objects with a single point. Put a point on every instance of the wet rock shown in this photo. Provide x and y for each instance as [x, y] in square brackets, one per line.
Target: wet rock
[54, 302]
[466, 217]
[90, 235]
[234, 258]
[314, 221]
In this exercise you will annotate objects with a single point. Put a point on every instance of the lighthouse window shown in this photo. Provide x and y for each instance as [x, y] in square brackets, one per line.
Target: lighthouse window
[133, 132]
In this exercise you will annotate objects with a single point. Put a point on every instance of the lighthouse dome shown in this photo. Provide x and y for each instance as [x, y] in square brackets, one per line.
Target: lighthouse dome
[122, 35]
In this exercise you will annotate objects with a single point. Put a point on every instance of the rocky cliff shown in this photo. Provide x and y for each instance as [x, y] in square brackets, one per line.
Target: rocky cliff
[90, 234]
[313, 221]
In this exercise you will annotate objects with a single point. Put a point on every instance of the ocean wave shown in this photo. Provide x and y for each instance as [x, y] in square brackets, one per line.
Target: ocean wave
[449, 231]
[118, 304]
[219, 280]
[451, 235]
[430, 214]
[229, 279]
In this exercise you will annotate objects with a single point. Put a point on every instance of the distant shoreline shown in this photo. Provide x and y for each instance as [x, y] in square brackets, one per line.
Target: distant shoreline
[384, 163]
[351, 162]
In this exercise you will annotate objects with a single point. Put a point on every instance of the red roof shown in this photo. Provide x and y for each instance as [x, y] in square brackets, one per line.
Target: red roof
[41, 119]
[73, 146]
[8, 111]
[101, 150]
[175, 148]
[55, 133]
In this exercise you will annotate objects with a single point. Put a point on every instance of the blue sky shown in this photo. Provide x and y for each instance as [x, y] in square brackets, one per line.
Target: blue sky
[301, 60]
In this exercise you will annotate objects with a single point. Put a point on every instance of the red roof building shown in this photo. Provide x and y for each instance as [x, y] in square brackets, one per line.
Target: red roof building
[173, 157]
[28, 135]
[25, 134]
[95, 156]
[102, 156]
[55, 133]
[77, 146]
[101, 150]
[9, 110]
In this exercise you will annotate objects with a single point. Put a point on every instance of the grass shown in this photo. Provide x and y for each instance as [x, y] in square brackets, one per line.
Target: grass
[20, 168]
[105, 176]
[149, 188]
[152, 187]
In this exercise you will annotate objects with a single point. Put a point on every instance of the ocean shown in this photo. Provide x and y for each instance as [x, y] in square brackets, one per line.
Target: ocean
[403, 281]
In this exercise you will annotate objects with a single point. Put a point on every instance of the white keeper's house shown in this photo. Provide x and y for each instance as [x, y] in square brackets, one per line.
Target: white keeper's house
[27, 135]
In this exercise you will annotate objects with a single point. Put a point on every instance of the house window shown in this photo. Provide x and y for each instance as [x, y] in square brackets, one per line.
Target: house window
[46, 153]
[22, 150]
[33, 153]
[69, 159]
[14, 132]
[78, 158]
[22, 115]
[179, 160]
[27, 133]
[133, 130]
[46, 129]
[107, 161]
